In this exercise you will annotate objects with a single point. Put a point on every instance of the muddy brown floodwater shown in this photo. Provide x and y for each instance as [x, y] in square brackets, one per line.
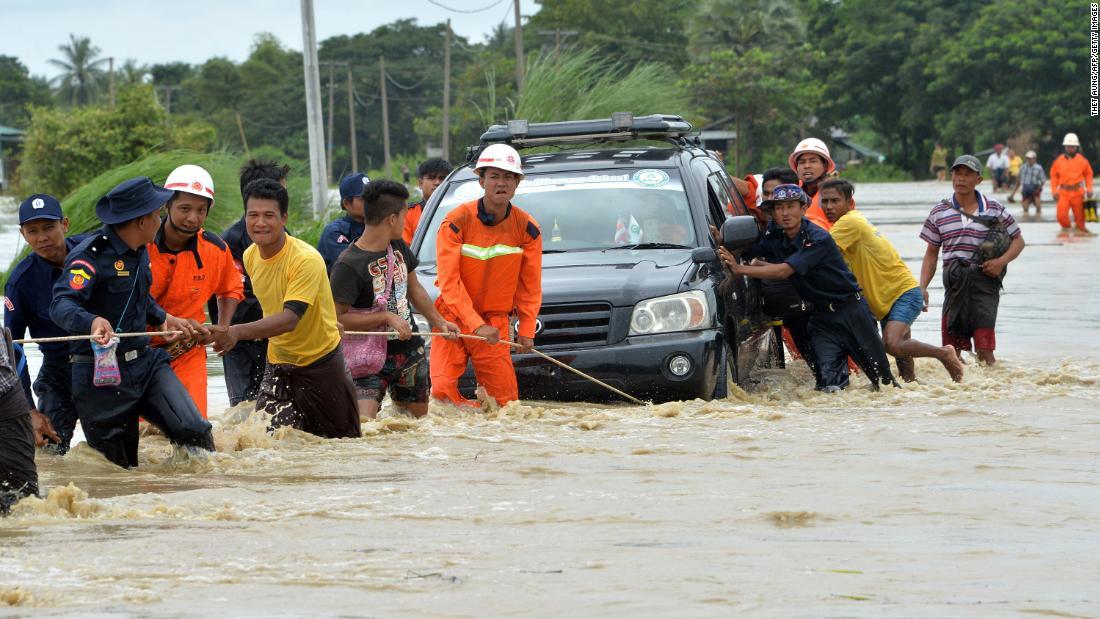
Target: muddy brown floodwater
[938, 499]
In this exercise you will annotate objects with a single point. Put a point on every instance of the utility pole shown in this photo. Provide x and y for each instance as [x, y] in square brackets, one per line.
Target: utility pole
[385, 114]
[244, 140]
[351, 124]
[168, 90]
[331, 106]
[313, 109]
[447, 94]
[558, 35]
[111, 80]
[519, 50]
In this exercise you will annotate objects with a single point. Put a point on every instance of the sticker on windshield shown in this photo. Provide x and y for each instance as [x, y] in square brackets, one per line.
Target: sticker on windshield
[650, 178]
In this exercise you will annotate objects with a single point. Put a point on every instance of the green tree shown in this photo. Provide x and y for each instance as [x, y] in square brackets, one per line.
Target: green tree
[768, 94]
[18, 90]
[626, 31]
[741, 25]
[81, 70]
[131, 72]
[66, 148]
[1031, 80]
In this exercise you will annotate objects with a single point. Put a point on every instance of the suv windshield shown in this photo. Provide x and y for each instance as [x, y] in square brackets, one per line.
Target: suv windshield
[591, 210]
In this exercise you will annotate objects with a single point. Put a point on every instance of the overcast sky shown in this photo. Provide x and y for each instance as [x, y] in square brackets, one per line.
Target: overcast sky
[157, 31]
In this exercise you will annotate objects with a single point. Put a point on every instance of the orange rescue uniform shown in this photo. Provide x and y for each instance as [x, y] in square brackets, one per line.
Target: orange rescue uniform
[488, 271]
[1067, 176]
[182, 283]
[816, 214]
[412, 220]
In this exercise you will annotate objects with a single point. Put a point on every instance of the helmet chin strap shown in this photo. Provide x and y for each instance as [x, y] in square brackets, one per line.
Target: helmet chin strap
[172, 222]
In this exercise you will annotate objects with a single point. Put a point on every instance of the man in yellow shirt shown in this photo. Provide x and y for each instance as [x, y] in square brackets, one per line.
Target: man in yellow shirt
[306, 384]
[891, 290]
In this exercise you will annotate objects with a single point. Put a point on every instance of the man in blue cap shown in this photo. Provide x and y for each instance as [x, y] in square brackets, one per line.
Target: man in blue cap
[344, 231]
[841, 324]
[27, 296]
[104, 289]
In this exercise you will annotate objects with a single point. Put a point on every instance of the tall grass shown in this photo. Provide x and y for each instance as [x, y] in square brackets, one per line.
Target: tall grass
[581, 85]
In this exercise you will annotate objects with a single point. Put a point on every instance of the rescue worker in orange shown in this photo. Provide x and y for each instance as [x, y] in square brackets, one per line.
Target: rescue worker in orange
[489, 259]
[429, 175]
[190, 265]
[1070, 179]
[813, 163]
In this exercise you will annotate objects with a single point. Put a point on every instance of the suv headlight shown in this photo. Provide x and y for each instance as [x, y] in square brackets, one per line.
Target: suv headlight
[686, 311]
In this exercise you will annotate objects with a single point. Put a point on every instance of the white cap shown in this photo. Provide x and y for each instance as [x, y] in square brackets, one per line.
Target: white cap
[1071, 140]
[815, 146]
[500, 156]
[1030, 154]
[191, 179]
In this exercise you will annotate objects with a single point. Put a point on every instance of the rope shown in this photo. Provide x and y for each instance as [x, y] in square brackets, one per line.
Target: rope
[77, 338]
[562, 364]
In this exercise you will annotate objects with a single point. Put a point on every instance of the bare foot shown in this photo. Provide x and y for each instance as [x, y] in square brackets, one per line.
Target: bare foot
[986, 357]
[952, 363]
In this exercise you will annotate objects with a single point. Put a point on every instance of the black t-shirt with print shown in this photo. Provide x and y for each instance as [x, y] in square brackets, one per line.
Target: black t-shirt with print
[357, 274]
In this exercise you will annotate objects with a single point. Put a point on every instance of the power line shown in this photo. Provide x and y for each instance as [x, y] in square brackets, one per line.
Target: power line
[466, 11]
[402, 86]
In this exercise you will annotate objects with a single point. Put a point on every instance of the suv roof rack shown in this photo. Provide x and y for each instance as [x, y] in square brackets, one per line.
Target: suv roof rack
[622, 126]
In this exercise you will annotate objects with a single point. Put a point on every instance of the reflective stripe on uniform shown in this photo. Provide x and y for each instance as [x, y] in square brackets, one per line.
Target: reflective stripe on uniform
[486, 253]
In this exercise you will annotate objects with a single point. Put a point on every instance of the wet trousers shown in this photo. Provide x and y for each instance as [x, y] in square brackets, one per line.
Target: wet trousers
[318, 398]
[18, 475]
[799, 330]
[244, 370]
[150, 389]
[1071, 200]
[54, 388]
[190, 368]
[492, 366]
[849, 330]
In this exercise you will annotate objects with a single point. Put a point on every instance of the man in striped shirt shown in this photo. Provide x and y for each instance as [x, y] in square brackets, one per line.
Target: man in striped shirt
[960, 226]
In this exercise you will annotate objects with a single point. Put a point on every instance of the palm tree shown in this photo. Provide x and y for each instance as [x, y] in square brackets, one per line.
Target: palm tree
[81, 69]
[743, 24]
[132, 73]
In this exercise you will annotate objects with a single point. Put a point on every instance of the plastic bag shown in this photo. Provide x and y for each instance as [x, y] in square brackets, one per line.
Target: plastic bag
[106, 372]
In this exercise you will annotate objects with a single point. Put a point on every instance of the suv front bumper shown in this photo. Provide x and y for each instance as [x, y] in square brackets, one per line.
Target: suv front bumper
[638, 366]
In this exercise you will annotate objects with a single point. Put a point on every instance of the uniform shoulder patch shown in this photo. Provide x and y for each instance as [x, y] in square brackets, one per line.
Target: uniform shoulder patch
[532, 230]
[214, 240]
[8, 304]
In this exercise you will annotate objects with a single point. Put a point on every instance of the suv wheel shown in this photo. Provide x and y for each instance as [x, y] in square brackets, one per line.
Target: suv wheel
[727, 372]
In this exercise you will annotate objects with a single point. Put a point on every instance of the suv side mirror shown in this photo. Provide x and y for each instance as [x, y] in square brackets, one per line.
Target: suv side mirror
[703, 255]
[739, 232]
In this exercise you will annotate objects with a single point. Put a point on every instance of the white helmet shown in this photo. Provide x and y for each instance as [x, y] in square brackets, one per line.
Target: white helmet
[191, 179]
[815, 146]
[500, 156]
[1071, 140]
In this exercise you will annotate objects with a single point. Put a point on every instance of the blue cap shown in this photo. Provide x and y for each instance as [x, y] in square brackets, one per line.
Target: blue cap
[131, 199]
[782, 193]
[40, 206]
[353, 185]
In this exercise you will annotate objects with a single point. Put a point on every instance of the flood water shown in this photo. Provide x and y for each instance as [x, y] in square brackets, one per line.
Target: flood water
[979, 499]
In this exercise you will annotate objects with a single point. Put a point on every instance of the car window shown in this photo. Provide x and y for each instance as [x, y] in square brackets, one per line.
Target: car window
[720, 198]
[589, 210]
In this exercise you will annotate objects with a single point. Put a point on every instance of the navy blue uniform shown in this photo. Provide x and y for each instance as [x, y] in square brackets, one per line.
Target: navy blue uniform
[336, 237]
[27, 297]
[244, 364]
[841, 324]
[105, 277]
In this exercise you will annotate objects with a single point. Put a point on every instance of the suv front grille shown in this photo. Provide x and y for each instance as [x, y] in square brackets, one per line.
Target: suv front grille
[574, 324]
